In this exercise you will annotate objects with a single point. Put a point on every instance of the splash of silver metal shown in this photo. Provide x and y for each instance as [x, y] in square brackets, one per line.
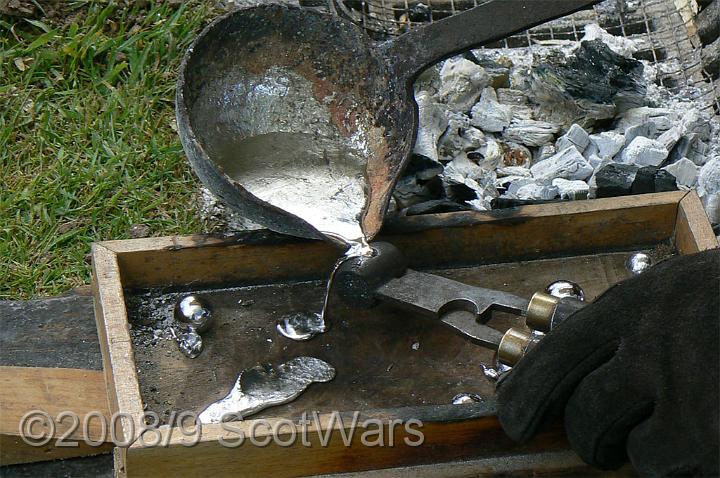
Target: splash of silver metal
[265, 386]
[462, 398]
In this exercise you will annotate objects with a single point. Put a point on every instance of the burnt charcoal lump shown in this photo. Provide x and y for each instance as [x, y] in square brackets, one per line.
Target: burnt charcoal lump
[435, 206]
[664, 181]
[420, 182]
[596, 73]
[419, 13]
[615, 180]
[651, 179]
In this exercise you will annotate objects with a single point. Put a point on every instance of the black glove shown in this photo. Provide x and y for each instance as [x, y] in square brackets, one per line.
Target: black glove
[637, 372]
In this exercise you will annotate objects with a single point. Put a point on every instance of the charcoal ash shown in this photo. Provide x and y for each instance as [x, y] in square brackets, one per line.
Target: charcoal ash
[459, 136]
[571, 189]
[643, 151]
[489, 115]
[419, 13]
[530, 132]
[684, 171]
[432, 125]
[218, 217]
[709, 188]
[591, 84]
[605, 144]
[575, 136]
[461, 83]
[561, 120]
[567, 164]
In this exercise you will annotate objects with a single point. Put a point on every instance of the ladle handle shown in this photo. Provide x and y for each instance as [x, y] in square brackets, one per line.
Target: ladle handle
[412, 52]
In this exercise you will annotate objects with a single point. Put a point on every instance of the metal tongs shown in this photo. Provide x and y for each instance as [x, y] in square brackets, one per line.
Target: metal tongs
[384, 277]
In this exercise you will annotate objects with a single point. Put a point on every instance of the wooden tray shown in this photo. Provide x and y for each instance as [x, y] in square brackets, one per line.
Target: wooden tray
[389, 365]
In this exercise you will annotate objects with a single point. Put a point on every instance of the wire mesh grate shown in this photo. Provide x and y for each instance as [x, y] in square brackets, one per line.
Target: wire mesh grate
[662, 29]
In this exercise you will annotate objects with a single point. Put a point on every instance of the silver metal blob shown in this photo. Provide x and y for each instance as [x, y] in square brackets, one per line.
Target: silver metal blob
[638, 263]
[496, 372]
[301, 326]
[565, 288]
[191, 310]
[264, 386]
[190, 343]
[462, 398]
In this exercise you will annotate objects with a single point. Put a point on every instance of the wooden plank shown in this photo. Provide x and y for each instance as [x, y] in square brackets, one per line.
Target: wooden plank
[96, 466]
[442, 441]
[56, 332]
[560, 230]
[466, 237]
[118, 358]
[693, 232]
[53, 391]
[554, 463]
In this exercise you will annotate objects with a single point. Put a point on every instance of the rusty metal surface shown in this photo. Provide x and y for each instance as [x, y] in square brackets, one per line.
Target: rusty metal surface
[365, 88]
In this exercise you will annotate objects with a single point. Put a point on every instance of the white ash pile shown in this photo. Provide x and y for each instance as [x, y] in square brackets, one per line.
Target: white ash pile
[566, 121]
[217, 217]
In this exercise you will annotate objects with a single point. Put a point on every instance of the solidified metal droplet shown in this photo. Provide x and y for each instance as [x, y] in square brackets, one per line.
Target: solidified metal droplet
[191, 310]
[495, 373]
[264, 386]
[462, 398]
[306, 325]
[565, 288]
[301, 326]
[638, 263]
[190, 343]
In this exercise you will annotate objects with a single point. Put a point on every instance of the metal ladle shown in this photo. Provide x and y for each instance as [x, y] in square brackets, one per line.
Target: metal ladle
[302, 123]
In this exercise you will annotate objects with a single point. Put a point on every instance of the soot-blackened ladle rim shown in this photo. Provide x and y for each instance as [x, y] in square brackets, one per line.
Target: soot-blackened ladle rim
[405, 57]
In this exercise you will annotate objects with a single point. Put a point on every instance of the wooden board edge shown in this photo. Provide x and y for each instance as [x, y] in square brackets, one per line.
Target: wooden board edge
[461, 440]
[322, 422]
[15, 451]
[610, 224]
[121, 378]
[553, 463]
[400, 225]
[693, 232]
[119, 461]
[57, 394]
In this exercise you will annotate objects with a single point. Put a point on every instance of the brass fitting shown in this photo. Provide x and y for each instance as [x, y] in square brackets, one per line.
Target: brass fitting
[540, 311]
[513, 346]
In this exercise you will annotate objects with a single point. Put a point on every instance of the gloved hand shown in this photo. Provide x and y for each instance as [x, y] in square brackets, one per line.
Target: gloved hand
[637, 373]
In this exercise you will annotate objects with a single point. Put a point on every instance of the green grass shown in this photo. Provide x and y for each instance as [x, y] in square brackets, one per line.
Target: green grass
[87, 145]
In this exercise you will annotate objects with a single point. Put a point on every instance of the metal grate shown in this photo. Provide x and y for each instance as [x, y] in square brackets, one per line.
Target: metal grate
[663, 30]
